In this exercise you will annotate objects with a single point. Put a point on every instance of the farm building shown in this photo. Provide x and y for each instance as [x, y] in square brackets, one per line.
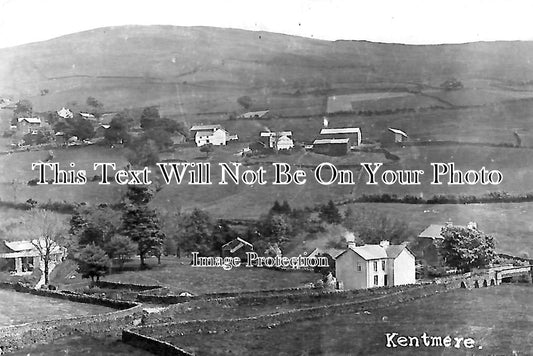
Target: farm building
[213, 134]
[281, 140]
[393, 136]
[28, 124]
[371, 266]
[254, 115]
[65, 113]
[23, 256]
[100, 130]
[332, 146]
[433, 231]
[351, 133]
[87, 116]
[237, 248]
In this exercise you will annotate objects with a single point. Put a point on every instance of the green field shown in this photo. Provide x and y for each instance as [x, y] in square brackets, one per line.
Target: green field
[498, 319]
[178, 275]
[508, 223]
[20, 308]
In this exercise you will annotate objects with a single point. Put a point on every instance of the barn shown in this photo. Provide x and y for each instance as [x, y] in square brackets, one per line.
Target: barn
[332, 146]
[351, 133]
[237, 248]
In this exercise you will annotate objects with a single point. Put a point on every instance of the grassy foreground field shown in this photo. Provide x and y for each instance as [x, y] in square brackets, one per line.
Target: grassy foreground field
[499, 320]
[178, 275]
[19, 308]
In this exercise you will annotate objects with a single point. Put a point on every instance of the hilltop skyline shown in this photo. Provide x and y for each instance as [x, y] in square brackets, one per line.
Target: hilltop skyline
[409, 22]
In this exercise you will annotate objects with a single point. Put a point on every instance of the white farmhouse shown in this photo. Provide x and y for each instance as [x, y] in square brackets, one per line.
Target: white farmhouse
[281, 140]
[213, 134]
[370, 266]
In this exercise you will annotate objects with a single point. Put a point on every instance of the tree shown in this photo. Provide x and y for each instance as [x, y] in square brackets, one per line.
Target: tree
[93, 262]
[23, 108]
[118, 129]
[94, 103]
[142, 152]
[149, 116]
[196, 233]
[120, 248]
[207, 149]
[278, 228]
[140, 222]
[160, 137]
[50, 232]
[245, 102]
[330, 214]
[466, 247]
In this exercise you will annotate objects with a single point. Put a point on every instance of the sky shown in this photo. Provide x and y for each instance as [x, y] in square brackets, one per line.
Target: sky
[399, 21]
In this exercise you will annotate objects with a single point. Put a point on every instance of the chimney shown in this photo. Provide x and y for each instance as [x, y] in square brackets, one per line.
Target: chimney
[384, 243]
[351, 244]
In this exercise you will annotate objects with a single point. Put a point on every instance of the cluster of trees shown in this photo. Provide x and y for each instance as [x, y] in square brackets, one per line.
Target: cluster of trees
[466, 248]
[156, 137]
[105, 235]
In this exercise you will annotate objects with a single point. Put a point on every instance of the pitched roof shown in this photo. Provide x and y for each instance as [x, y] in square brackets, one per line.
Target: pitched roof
[432, 231]
[370, 252]
[237, 243]
[394, 251]
[341, 130]
[330, 140]
[205, 127]
[31, 120]
[399, 132]
[20, 245]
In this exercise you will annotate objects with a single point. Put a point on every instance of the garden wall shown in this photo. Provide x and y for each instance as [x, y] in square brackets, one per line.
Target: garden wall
[18, 336]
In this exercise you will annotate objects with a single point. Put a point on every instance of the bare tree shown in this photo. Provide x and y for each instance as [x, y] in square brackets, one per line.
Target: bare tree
[50, 233]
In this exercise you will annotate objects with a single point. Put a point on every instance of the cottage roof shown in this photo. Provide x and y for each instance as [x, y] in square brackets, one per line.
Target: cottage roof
[433, 231]
[205, 127]
[323, 141]
[18, 246]
[86, 115]
[399, 132]
[31, 120]
[236, 244]
[341, 130]
[394, 251]
[370, 252]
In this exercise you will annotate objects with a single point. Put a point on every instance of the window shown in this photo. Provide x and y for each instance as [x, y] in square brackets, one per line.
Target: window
[375, 266]
[375, 280]
[358, 267]
[383, 265]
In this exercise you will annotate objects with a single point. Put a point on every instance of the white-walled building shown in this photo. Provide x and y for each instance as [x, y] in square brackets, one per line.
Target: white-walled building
[213, 134]
[370, 266]
[281, 140]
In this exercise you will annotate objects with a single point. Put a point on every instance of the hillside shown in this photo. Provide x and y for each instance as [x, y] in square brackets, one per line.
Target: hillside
[190, 70]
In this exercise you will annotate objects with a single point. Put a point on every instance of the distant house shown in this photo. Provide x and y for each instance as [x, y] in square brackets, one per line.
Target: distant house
[65, 113]
[352, 133]
[87, 116]
[23, 256]
[434, 231]
[254, 115]
[213, 134]
[281, 140]
[237, 248]
[332, 146]
[371, 266]
[393, 136]
[60, 138]
[28, 124]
